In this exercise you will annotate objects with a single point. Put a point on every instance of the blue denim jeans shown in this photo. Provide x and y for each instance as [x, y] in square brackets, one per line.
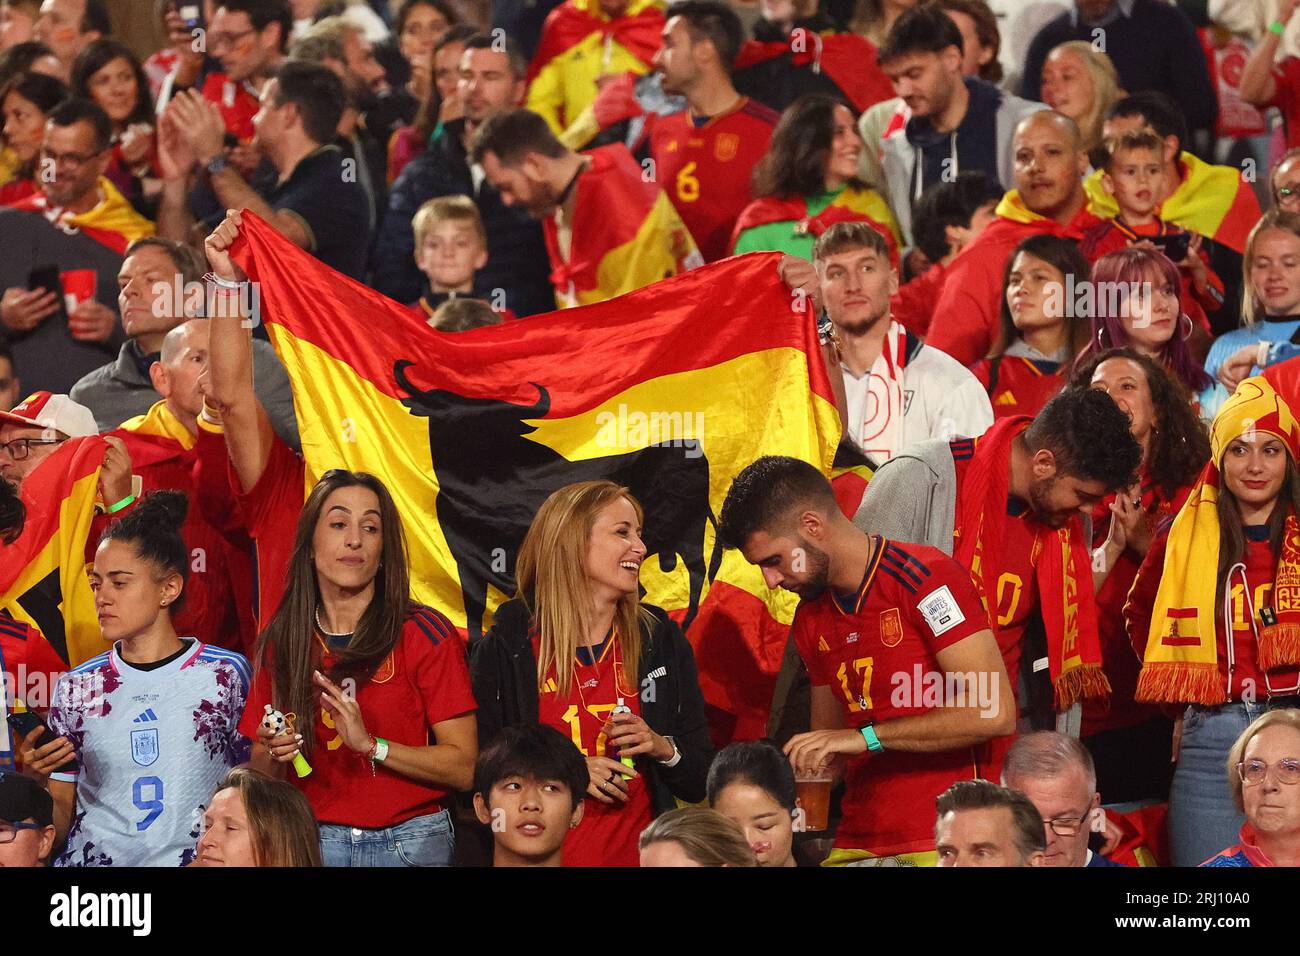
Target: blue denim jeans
[1202, 817]
[421, 841]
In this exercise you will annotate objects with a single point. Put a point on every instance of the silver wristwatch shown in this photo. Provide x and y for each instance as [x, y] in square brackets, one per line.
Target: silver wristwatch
[676, 758]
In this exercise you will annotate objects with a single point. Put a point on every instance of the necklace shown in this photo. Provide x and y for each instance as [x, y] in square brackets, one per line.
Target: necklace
[619, 689]
[328, 633]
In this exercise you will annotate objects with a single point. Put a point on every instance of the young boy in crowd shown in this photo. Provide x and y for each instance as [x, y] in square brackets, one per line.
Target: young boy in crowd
[1133, 175]
[450, 246]
[528, 787]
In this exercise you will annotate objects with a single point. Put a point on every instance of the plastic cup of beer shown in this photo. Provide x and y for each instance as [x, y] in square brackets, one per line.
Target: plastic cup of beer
[813, 797]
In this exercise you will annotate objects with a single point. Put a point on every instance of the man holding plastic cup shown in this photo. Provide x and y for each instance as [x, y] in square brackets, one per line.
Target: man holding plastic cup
[907, 679]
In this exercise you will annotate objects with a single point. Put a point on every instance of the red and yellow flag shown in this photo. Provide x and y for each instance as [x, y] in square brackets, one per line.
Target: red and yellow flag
[43, 574]
[671, 390]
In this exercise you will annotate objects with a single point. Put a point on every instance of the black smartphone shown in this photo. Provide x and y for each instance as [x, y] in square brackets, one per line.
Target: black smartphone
[24, 723]
[47, 278]
[1174, 246]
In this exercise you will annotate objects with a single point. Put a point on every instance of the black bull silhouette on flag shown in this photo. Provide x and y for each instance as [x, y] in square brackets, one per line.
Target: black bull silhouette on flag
[492, 479]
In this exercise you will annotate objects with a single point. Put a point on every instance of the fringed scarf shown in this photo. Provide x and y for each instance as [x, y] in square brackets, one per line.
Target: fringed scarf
[1181, 664]
[1063, 571]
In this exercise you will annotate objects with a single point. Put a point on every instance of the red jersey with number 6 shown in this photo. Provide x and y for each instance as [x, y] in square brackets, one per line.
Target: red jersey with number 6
[705, 169]
[876, 650]
[609, 833]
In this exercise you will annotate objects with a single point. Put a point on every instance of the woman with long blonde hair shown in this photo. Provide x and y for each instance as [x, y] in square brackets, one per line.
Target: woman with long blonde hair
[577, 650]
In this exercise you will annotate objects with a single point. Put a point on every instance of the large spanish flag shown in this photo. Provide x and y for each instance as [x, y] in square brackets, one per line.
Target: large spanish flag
[43, 574]
[671, 390]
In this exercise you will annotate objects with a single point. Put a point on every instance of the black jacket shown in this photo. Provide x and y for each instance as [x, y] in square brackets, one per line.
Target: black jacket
[503, 669]
[518, 262]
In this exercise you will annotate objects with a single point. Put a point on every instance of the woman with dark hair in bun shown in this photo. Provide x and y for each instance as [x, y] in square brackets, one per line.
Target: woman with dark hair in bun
[153, 721]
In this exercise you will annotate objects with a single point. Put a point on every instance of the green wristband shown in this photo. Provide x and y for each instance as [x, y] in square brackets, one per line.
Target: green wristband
[873, 742]
[120, 505]
[1278, 27]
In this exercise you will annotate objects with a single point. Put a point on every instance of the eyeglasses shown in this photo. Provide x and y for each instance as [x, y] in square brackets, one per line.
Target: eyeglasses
[1067, 827]
[218, 40]
[9, 831]
[1254, 771]
[20, 448]
[72, 160]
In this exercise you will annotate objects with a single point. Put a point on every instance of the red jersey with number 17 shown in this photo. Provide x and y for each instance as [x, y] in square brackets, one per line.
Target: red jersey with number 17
[705, 169]
[609, 833]
[876, 650]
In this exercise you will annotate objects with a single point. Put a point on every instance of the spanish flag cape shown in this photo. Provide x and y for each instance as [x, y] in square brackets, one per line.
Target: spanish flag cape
[848, 60]
[156, 436]
[43, 574]
[1181, 664]
[1063, 572]
[1215, 201]
[1011, 207]
[626, 233]
[113, 223]
[472, 436]
[639, 31]
[851, 205]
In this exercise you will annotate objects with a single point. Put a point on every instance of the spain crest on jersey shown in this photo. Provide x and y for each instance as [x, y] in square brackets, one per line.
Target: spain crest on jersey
[725, 147]
[144, 746]
[891, 627]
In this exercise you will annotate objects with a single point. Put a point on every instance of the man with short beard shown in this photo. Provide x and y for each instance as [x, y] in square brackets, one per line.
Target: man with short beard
[517, 276]
[898, 390]
[873, 612]
[1048, 165]
[342, 46]
[706, 153]
[1008, 506]
[607, 230]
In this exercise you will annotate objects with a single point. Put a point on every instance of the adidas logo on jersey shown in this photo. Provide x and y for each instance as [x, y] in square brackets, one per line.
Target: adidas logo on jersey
[1006, 398]
[822, 645]
[145, 717]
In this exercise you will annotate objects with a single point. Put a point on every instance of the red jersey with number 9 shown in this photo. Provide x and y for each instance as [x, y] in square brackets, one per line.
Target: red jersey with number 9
[705, 170]
[876, 650]
[609, 833]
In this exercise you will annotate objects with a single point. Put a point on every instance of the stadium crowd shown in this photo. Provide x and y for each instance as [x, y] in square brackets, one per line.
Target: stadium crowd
[1047, 256]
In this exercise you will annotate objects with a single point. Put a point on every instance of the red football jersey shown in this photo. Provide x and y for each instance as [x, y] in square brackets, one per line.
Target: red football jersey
[1019, 385]
[706, 169]
[608, 834]
[877, 651]
[423, 682]
[271, 512]
[1017, 549]
[238, 103]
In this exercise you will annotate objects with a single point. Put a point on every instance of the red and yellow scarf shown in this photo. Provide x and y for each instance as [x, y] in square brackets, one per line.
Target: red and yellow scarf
[1181, 663]
[1063, 570]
